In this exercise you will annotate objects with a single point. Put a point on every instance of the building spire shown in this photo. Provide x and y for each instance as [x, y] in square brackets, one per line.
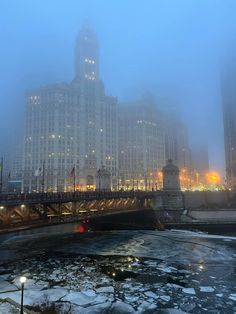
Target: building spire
[87, 54]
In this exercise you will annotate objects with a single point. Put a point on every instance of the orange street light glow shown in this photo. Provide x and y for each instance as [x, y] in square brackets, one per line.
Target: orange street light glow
[213, 177]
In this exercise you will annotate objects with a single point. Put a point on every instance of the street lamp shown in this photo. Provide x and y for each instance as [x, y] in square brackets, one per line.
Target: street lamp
[22, 281]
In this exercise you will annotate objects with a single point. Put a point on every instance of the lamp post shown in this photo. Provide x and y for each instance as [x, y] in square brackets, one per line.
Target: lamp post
[22, 281]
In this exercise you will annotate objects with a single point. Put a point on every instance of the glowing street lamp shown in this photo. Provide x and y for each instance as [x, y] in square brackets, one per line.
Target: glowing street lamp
[22, 281]
[213, 178]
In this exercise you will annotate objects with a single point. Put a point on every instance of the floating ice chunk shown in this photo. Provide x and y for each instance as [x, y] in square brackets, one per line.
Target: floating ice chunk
[34, 296]
[6, 286]
[166, 269]
[101, 299]
[79, 298]
[95, 309]
[189, 290]
[173, 285]
[146, 306]
[121, 308]
[207, 289]
[173, 311]
[6, 308]
[220, 295]
[127, 285]
[109, 289]
[89, 293]
[53, 294]
[31, 284]
[39, 285]
[4, 277]
[165, 298]
[105, 280]
[232, 296]
[130, 298]
[151, 294]
[184, 271]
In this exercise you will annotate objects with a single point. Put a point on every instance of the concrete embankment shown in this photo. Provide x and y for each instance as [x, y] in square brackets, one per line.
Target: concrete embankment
[213, 215]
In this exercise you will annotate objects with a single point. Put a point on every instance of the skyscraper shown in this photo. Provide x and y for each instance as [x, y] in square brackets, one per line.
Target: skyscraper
[229, 119]
[177, 145]
[141, 145]
[97, 112]
[176, 141]
[71, 126]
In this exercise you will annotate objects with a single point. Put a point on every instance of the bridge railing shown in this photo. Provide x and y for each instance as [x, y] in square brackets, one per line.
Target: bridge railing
[35, 198]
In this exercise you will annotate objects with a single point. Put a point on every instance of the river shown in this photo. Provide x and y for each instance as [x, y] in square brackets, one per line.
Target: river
[135, 271]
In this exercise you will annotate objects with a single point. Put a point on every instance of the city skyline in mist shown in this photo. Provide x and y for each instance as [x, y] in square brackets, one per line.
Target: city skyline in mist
[174, 49]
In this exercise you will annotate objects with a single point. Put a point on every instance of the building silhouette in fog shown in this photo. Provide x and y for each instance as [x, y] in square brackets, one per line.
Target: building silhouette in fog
[141, 145]
[177, 146]
[71, 128]
[229, 120]
[201, 161]
[176, 141]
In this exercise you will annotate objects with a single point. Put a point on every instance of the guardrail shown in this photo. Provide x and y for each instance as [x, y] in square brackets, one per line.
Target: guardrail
[63, 197]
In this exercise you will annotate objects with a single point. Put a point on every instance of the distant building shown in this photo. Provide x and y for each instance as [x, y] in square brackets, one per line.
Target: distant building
[201, 158]
[176, 142]
[200, 162]
[13, 175]
[229, 119]
[141, 145]
[177, 146]
[71, 127]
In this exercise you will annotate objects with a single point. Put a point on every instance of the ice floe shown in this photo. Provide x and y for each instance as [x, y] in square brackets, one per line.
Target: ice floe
[207, 289]
[189, 290]
[120, 307]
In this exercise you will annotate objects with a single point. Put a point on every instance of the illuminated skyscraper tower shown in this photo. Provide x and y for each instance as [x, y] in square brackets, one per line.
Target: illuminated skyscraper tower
[98, 112]
[71, 127]
[87, 56]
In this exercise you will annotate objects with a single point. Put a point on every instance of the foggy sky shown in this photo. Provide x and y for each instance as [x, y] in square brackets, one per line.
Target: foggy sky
[172, 48]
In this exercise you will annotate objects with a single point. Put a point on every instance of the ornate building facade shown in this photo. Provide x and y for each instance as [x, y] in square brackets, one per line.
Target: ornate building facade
[71, 128]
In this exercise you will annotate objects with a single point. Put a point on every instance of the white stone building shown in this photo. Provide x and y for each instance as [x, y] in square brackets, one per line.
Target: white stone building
[71, 128]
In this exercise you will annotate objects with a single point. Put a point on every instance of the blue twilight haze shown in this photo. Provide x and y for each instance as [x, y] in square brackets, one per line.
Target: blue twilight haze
[172, 48]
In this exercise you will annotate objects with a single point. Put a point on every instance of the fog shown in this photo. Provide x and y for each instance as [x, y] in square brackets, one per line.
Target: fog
[174, 49]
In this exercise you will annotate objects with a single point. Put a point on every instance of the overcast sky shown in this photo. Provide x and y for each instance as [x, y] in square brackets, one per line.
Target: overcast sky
[171, 48]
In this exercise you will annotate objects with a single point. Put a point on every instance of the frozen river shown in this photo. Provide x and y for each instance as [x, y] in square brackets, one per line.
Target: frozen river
[121, 271]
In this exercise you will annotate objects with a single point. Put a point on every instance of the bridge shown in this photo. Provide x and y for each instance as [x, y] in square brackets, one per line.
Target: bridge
[34, 207]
